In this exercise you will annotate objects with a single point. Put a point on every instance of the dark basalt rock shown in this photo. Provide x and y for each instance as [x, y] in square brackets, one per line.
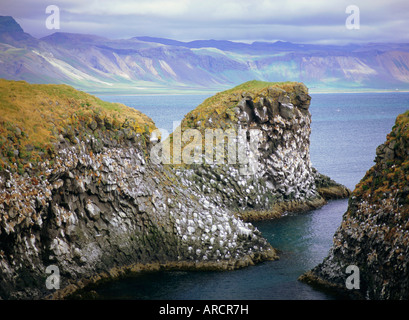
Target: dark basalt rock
[283, 178]
[374, 233]
[102, 207]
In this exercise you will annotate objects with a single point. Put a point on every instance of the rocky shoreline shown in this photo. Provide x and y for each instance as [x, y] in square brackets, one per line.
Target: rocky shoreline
[374, 233]
[83, 288]
[99, 207]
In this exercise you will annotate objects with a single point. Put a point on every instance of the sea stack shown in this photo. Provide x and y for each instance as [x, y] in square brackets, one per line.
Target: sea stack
[270, 122]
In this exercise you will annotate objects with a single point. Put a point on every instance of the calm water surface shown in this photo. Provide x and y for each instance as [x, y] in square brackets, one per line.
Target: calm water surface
[346, 129]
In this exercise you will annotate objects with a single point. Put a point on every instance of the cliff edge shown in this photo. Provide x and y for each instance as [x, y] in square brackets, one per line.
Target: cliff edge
[374, 233]
[88, 191]
[79, 195]
[248, 151]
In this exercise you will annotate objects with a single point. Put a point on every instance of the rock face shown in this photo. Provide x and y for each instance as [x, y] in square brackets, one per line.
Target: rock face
[374, 233]
[100, 207]
[91, 214]
[96, 205]
[268, 125]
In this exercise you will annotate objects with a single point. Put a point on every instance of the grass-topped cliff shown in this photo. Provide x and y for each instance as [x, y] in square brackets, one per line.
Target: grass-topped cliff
[390, 175]
[97, 208]
[97, 203]
[249, 149]
[374, 233]
[231, 109]
[35, 119]
[220, 108]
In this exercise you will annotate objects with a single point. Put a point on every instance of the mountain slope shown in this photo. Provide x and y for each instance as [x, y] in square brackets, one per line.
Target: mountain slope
[11, 33]
[144, 64]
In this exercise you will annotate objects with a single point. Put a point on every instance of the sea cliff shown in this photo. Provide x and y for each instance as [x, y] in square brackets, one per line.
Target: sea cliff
[269, 123]
[374, 233]
[82, 193]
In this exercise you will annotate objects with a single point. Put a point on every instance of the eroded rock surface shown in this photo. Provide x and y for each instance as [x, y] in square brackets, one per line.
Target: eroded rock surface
[272, 125]
[374, 233]
[100, 207]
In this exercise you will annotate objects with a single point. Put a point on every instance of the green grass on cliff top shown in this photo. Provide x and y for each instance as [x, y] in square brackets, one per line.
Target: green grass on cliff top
[33, 115]
[221, 105]
[220, 108]
[390, 176]
[260, 85]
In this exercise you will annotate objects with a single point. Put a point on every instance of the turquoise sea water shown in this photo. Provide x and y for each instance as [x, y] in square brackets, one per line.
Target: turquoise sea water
[346, 129]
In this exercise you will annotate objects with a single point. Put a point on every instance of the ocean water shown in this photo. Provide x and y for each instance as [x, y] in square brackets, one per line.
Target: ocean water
[345, 131]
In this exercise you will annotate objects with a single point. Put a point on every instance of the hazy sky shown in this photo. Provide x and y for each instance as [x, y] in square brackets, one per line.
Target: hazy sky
[301, 21]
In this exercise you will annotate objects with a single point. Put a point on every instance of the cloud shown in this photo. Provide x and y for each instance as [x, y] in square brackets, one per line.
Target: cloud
[294, 20]
[162, 8]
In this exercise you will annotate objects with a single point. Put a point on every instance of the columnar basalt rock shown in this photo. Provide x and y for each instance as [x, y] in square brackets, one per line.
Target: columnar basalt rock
[276, 175]
[96, 205]
[100, 208]
[93, 213]
[374, 233]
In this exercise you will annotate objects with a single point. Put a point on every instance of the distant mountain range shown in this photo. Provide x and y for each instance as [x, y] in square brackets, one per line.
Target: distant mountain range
[146, 64]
